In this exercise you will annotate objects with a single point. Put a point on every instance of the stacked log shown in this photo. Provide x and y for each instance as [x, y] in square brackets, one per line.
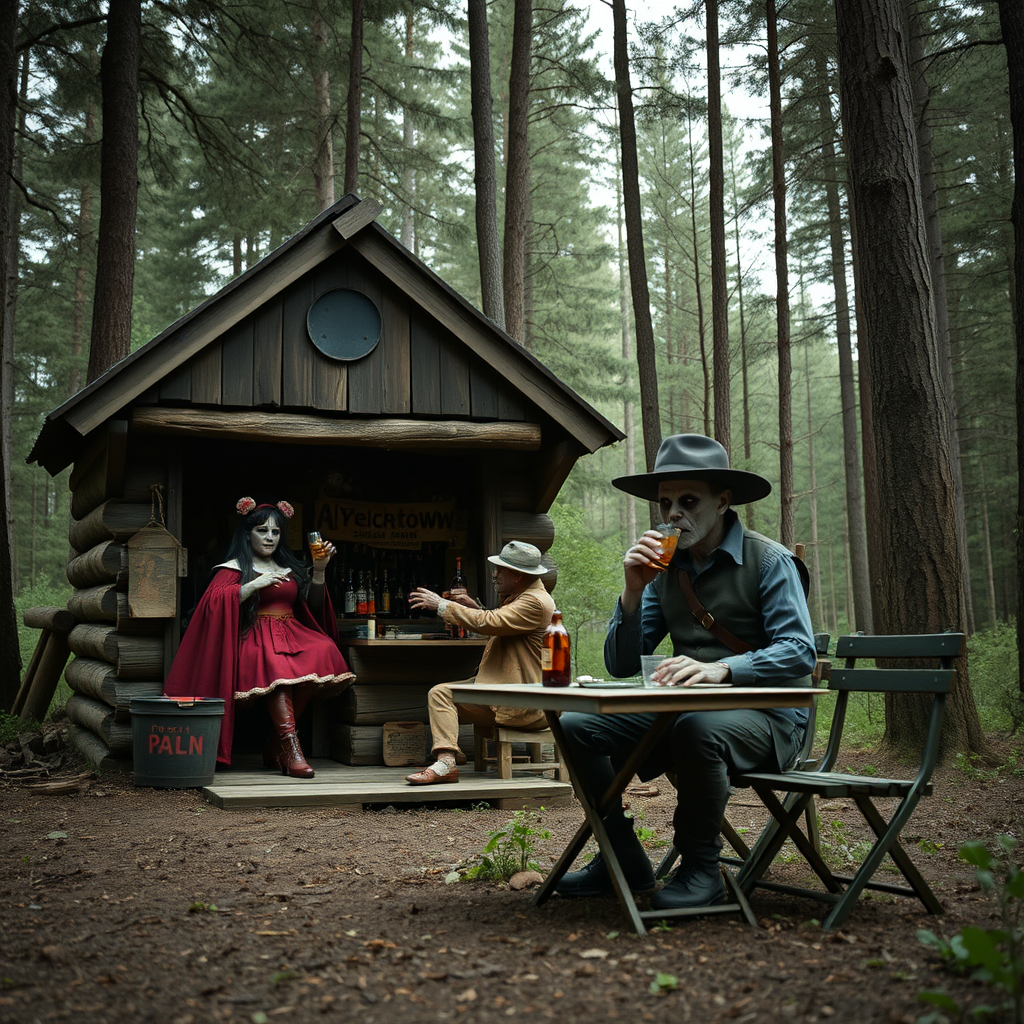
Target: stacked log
[116, 657]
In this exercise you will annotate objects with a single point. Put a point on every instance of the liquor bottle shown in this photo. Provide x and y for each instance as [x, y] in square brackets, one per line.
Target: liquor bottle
[371, 593]
[350, 596]
[361, 601]
[385, 595]
[554, 655]
[457, 632]
[399, 602]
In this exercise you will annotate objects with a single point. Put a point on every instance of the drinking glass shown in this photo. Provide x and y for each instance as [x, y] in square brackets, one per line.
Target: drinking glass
[669, 539]
[316, 545]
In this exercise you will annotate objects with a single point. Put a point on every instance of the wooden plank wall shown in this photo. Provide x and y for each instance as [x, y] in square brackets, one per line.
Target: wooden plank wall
[417, 368]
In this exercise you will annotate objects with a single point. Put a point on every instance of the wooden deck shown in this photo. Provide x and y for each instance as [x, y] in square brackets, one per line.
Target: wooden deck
[248, 784]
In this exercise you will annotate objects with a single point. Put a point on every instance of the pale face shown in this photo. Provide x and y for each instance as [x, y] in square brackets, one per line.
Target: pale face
[264, 539]
[698, 510]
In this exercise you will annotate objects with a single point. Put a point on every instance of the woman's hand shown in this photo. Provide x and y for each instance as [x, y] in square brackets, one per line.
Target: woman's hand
[273, 578]
[327, 552]
[684, 671]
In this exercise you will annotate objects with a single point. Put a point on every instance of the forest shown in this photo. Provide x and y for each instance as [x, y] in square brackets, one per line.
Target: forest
[680, 210]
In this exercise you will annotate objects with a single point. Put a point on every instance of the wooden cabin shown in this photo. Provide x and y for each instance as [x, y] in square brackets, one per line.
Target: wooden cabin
[342, 375]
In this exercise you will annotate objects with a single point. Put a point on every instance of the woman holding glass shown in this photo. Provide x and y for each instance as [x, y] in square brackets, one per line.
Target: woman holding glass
[264, 627]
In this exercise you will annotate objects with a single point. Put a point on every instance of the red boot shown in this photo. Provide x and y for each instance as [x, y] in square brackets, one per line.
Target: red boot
[289, 754]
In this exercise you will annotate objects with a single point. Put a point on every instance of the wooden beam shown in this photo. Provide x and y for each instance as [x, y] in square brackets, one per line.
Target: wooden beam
[355, 218]
[295, 428]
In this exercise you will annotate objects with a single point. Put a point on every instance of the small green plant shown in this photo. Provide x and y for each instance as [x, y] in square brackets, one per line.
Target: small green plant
[11, 726]
[838, 846]
[203, 908]
[994, 956]
[661, 926]
[280, 977]
[969, 765]
[509, 849]
[663, 984]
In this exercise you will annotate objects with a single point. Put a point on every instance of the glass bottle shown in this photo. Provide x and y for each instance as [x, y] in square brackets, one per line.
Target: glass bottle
[371, 592]
[554, 656]
[361, 596]
[385, 594]
[456, 631]
[350, 595]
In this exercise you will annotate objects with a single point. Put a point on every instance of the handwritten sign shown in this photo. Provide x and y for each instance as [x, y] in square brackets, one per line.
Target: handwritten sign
[404, 525]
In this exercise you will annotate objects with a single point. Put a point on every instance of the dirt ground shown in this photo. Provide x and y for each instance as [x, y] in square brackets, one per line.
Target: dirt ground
[126, 904]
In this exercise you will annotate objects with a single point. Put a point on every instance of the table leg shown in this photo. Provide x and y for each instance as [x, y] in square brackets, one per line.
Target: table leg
[594, 812]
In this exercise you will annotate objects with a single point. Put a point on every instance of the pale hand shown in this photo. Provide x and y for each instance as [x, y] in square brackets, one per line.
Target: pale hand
[327, 552]
[422, 598]
[684, 671]
[460, 595]
[269, 579]
[637, 565]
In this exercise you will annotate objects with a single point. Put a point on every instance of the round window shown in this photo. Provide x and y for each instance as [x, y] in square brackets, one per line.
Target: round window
[344, 324]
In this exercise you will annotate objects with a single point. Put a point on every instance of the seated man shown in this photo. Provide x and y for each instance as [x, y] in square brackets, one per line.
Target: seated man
[760, 636]
[512, 654]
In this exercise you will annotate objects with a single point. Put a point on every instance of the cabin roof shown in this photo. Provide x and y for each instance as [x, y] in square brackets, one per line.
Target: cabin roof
[349, 222]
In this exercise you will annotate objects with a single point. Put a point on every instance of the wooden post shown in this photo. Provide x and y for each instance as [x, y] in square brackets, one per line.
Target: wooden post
[48, 661]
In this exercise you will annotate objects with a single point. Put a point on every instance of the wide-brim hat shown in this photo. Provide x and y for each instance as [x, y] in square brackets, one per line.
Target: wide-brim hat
[695, 457]
[520, 557]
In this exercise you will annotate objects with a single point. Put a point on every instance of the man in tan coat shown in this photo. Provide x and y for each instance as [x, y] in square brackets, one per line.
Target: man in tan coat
[512, 655]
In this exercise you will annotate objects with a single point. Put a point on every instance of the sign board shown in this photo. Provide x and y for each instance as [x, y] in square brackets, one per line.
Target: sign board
[403, 525]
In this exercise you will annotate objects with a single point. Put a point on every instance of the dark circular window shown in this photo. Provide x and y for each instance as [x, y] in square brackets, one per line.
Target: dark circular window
[344, 324]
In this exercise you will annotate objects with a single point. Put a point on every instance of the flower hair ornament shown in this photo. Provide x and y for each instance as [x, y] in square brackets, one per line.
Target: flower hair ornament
[246, 505]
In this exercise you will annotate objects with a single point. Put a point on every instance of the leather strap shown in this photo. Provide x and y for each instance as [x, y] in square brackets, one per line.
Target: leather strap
[707, 620]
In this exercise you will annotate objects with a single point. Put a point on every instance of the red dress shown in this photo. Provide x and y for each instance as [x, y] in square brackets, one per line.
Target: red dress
[286, 646]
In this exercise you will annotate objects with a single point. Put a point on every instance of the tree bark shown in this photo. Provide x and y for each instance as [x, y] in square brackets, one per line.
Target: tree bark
[486, 176]
[10, 657]
[323, 123]
[115, 244]
[409, 143]
[716, 206]
[1011, 18]
[787, 529]
[645, 358]
[697, 289]
[354, 103]
[860, 582]
[930, 203]
[517, 169]
[921, 589]
[628, 425]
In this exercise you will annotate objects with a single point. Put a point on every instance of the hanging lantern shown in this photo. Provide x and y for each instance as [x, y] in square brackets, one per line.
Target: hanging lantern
[156, 560]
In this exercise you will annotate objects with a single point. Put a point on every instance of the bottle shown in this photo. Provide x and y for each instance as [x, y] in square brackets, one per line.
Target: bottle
[371, 593]
[350, 596]
[399, 600]
[554, 655]
[361, 596]
[385, 594]
[456, 631]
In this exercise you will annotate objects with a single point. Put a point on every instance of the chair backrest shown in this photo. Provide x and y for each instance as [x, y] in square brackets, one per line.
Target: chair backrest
[804, 761]
[895, 679]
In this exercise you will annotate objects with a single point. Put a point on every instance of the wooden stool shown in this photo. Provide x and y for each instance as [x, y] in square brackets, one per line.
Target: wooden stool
[503, 738]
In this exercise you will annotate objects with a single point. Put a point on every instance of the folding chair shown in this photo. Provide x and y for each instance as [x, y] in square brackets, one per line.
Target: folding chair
[804, 762]
[801, 787]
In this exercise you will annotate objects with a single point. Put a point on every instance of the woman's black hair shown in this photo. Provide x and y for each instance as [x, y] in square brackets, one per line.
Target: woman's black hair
[241, 551]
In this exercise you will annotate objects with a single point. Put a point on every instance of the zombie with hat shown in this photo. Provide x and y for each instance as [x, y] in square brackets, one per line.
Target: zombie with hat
[734, 605]
[512, 654]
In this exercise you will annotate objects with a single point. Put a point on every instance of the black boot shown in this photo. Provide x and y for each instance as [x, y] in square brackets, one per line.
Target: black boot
[694, 885]
[595, 880]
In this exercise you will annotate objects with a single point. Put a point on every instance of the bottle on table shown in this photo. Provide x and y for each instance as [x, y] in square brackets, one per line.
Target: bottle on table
[458, 583]
[384, 605]
[361, 599]
[555, 654]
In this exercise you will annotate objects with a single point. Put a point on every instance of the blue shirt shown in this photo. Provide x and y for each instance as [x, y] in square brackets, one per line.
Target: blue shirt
[787, 622]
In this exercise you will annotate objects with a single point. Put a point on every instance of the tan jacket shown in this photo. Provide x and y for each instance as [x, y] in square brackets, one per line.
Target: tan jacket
[516, 632]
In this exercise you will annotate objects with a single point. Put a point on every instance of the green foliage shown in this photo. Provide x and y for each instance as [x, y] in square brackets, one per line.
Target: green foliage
[992, 654]
[10, 727]
[509, 849]
[993, 956]
[663, 984]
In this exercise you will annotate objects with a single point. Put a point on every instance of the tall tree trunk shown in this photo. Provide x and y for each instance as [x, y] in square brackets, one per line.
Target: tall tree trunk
[628, 423]
[749, 514]
[787, 529]
[860, 581]
[354, 103]
[937, 264]
[409, 143]
[323, 123]
[487, 241]
[517, 168]
[1011, 18]
[716, 209]
[10, 658]
[815, 566]
[921, 590]
[645, 357]
[986, 537]
[697, 289]
[115, 243]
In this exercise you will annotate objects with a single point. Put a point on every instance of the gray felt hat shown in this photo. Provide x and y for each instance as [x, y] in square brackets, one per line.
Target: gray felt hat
[695, 457]
[520, 557]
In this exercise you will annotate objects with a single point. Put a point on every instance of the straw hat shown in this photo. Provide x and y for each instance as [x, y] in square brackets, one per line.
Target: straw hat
[519, 557]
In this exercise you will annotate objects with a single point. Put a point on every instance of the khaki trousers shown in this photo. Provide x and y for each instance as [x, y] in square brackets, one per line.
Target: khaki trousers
[446, 715]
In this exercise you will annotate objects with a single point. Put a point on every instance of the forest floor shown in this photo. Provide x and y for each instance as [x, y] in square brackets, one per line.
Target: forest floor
[127, 904]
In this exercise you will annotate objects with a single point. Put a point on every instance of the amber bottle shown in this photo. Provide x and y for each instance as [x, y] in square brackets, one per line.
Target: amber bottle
[554, 656]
